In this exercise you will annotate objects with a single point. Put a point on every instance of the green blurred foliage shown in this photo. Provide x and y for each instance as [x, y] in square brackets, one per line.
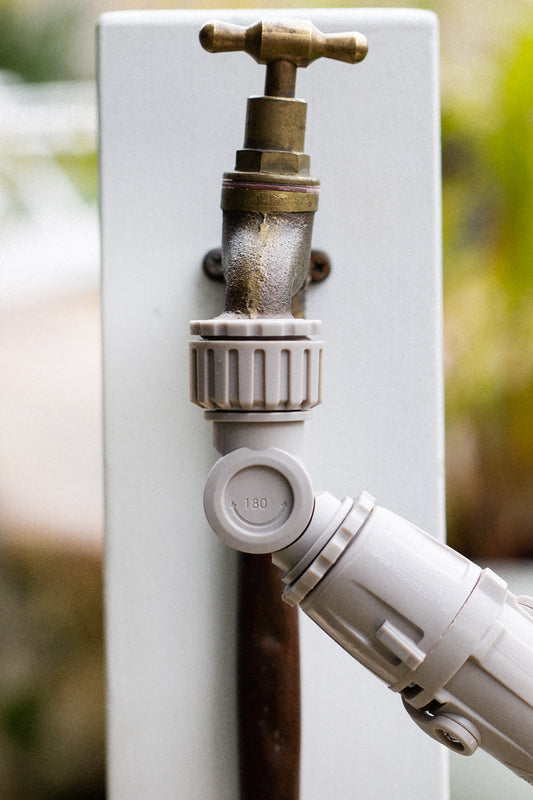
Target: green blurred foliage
[51, 681]
[488, 257]
[82, 169]
[35, 42]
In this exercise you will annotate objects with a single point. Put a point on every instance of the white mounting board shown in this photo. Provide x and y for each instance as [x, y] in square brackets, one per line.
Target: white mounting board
[171, 117]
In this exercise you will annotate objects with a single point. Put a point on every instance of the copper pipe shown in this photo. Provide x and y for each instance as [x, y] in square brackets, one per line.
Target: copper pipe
[268, 685]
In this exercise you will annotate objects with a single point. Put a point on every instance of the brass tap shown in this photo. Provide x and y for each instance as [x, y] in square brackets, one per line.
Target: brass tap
[270, 197]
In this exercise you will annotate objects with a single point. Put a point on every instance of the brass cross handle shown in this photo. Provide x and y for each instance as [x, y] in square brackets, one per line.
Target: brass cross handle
[283, 45]
[298, 41]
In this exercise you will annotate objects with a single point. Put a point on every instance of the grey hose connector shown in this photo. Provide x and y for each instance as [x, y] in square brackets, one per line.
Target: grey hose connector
[448, 636]
[258, 501]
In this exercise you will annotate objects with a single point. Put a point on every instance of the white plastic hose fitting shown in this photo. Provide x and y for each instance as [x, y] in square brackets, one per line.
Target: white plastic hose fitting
[447, 635]
[258, 501]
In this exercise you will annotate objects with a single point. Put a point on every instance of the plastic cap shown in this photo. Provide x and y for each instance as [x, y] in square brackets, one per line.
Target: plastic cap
[258, 501]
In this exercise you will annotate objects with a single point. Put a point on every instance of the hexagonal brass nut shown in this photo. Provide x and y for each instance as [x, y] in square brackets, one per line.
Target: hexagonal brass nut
[273, 161]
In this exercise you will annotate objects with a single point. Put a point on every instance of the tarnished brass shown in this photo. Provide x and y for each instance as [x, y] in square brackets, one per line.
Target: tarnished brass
[268, 177]
[280, 79]
[275, 123]
[265, 200]
[271, 189]
[274, 143]
[276, 162]
[295, 40]
[274, 139]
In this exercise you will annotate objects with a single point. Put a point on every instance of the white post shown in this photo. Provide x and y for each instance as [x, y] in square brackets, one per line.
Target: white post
[171, 118]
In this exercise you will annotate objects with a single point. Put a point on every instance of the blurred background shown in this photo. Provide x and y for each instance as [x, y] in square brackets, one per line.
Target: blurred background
[51, 667]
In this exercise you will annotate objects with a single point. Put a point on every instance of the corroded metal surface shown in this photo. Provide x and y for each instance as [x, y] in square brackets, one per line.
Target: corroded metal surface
[319, 269]
[265, 259]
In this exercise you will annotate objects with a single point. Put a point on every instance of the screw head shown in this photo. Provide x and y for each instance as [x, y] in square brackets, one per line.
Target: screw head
[320, 266]
[212, 264]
